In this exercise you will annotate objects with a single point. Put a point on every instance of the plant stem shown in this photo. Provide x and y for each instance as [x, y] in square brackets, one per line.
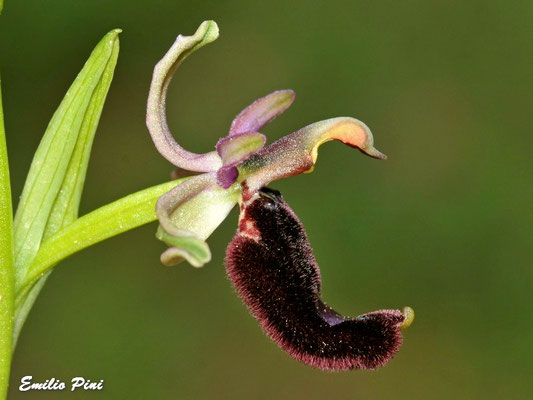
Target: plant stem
[6, 263]
[112, 219]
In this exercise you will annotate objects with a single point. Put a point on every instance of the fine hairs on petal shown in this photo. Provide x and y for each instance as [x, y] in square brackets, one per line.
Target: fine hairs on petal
[271, 265]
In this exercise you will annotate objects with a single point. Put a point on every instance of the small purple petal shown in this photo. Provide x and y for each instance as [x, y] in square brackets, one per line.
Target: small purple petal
[237, 148]
[272, 267]
[233, 150]
[226, 176]
[261, 112]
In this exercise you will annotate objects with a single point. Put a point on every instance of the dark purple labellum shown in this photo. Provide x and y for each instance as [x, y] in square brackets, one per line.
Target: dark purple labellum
[272, 267]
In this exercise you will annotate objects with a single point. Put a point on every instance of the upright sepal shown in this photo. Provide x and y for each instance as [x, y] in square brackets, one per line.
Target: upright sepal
[156, 118]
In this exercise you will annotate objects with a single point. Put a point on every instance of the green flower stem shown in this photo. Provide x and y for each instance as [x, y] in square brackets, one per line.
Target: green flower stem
[7, 271]
[110, 220]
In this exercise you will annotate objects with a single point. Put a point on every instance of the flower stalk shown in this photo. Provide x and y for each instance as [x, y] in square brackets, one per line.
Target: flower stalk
[110, 220]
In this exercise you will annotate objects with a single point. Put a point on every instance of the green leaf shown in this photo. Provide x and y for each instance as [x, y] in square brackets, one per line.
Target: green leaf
[112, 219]
[67, 202]
[53, 187]
[6, 262]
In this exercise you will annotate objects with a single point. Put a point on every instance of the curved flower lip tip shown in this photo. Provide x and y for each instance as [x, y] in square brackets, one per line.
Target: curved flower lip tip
[189, 213]
[409, 317]
[262, 111]
[156, 119]
[297, 153]
[282, 289]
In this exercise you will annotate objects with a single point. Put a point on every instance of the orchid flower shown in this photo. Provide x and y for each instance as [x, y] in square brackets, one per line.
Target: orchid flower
[269, 261]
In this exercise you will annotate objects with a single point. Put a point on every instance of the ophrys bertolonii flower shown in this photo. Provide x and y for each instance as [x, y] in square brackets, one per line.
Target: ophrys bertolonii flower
[270, 260]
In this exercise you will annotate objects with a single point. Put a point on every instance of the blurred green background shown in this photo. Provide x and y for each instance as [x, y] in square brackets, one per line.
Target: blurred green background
[442, 226]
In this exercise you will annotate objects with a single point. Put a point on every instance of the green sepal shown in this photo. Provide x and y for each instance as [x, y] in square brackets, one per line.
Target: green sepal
[186, 246]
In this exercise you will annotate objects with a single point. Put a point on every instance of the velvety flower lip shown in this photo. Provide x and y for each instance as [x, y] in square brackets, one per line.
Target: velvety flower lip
[270, 260]
[272, 267]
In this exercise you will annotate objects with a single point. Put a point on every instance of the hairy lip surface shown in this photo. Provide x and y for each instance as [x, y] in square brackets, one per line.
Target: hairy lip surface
[277, 277]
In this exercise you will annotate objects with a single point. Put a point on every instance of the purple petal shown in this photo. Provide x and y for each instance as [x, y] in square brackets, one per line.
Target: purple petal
[261, 112]
[226, 176]
[235, 149]
[156, 119]
[272, 267]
